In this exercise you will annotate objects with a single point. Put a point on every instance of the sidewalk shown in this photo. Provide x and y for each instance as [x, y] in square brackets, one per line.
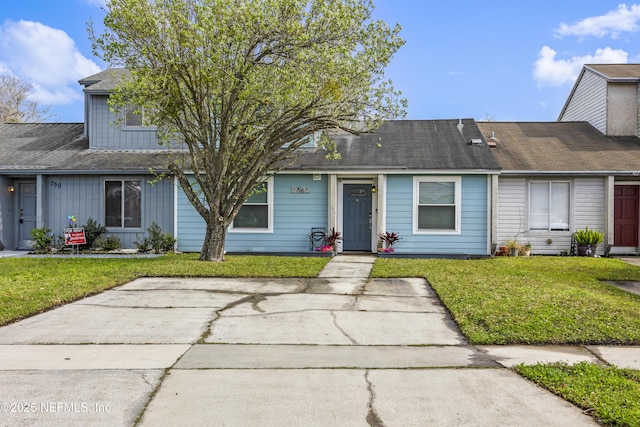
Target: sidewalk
[341, 349]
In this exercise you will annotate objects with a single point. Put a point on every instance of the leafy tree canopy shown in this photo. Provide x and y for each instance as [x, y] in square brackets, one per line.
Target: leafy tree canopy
[244, 83]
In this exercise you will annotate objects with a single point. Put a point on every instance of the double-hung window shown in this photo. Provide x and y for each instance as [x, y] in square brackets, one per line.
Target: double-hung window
[256, 214]
[437, 204]
[123, 203]
[549, 203]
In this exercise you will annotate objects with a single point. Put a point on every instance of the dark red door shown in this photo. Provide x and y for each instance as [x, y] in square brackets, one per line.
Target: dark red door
[625, 223]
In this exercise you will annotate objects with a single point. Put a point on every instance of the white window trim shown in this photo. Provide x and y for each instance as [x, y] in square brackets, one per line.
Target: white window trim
[269, 228]
[122, 228]
[125, 126]
[457, 180]
[570, 201]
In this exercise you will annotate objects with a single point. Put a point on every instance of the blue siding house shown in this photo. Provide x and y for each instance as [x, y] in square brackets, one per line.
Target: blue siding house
[430, 181]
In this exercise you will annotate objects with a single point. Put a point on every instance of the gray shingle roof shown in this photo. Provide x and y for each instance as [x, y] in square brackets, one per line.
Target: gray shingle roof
[564, 147]
[617, 71]
[105, 81]
[408, 145]
[38, 147]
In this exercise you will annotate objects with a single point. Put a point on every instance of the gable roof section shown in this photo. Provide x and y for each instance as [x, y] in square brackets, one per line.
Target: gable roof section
[617, 72]
[60, 147]
[105, 81]
[561, 147]
[407, 145]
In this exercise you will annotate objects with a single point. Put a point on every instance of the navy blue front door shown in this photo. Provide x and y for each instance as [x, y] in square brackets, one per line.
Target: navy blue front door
[357, 217]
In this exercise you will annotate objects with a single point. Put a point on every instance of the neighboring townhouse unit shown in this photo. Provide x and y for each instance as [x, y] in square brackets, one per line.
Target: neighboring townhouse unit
[99, 170]
[559, 177]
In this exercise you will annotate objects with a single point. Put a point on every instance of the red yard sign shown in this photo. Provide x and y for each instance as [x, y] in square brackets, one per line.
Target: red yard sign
[74, 236]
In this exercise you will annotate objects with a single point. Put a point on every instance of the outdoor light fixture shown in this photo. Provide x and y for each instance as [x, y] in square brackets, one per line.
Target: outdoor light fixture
[11, 189]
[373, 188]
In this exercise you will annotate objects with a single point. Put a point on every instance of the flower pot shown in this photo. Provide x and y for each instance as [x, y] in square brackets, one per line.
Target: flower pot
[503, 251]
[514, 251]
[587, 250]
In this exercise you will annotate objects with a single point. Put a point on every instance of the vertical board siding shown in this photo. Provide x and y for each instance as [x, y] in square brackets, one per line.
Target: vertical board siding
[589, 102]
[294, 215]
[472, 239]
[104, 133]
[83, 197]
[587, 209]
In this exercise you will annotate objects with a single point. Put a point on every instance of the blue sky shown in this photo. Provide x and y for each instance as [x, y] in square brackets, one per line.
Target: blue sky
[504, 60]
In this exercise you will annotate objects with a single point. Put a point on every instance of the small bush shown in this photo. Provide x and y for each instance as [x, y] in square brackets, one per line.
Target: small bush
[156, 241]
[42, 239]
[92, 231]
[108, 243]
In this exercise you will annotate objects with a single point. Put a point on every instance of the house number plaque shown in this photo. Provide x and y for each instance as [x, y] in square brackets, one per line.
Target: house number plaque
[297, 190]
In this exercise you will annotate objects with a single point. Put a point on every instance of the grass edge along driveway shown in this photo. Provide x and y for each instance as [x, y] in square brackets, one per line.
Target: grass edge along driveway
[31, 285]
[531, 300]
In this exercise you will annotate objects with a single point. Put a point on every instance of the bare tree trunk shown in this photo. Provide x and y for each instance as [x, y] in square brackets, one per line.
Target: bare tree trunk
[213, 245]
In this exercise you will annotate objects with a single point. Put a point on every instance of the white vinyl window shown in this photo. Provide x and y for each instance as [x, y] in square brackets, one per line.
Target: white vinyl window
[549, 203]
[256, 214]
[437, 204]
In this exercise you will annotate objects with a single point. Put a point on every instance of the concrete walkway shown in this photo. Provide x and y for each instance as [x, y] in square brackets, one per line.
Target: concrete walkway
[340, 349]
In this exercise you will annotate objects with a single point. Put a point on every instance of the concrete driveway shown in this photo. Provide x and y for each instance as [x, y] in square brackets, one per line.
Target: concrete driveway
[339, 350]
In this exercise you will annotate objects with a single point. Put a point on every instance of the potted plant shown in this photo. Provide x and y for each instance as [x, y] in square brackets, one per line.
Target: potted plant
[332, 241]
[525, 250]
[388, 240]
[514, 247]
[587, 241]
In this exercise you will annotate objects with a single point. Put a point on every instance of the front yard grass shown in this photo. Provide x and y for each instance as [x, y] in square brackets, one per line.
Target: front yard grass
[610, 394]
[29, 285]
[531, 300]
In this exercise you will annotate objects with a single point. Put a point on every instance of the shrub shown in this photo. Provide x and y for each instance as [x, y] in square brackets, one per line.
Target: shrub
[42, 239]
[588, 237]
[156, 241]
[108, 243]
[92, 231]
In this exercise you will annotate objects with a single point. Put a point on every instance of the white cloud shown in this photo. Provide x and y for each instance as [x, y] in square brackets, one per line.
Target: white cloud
[549, 71]
[47, 57]
[97, 3]
[624, 19]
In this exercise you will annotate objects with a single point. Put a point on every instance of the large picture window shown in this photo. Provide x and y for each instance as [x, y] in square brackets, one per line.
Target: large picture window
[549, 205]
[436, 205]
[256, 213]
[123, 203]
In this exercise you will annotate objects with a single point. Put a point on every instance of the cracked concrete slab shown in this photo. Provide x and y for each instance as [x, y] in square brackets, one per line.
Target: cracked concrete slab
[389, 328]
[76, 398]
[464, 397]
[309, 327]
[166, 298]
[245, 286]
[292, 303]
[260, 397]
[246, 356]
[102, 356]
[398, 304]
[511, 355]
[399, 287]
[79, 324]
[348, 286]
[621, 356]
[348, 267]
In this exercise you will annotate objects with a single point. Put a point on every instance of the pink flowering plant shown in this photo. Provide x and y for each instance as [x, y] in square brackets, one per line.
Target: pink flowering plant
[388, 240]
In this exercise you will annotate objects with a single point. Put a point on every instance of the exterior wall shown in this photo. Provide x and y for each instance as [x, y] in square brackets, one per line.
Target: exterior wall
[472, 239]
[104, 133]
[588, 102]
[6, 213]
[622, 109]
[587, 208]
[83, 196]
[294, 215]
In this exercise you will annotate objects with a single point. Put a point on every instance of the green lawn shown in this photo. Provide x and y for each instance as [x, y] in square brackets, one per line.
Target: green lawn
[29, 285]
[531, 300]
[610, 394]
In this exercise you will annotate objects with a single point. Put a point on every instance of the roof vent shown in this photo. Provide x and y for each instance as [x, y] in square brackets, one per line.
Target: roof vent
[476, 141]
